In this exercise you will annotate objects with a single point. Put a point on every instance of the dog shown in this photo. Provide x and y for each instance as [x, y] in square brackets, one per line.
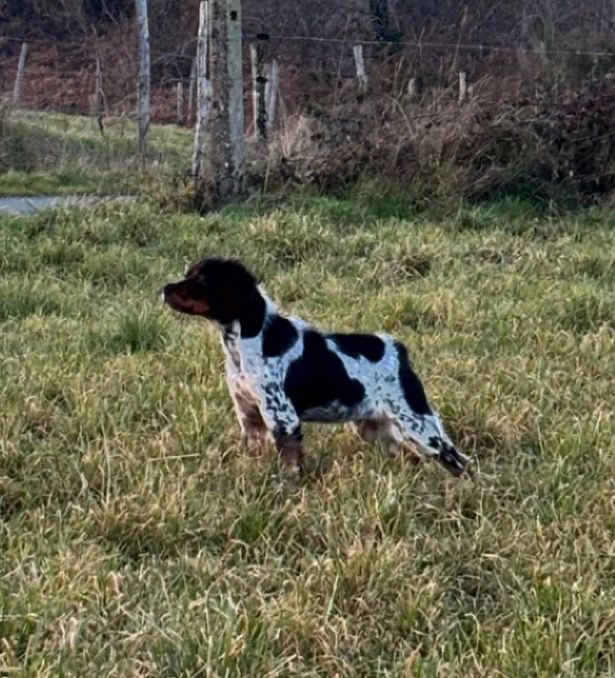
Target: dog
[282, 372]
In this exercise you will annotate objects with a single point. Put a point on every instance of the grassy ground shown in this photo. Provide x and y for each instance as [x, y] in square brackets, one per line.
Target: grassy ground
[53, 153]
[138, 539]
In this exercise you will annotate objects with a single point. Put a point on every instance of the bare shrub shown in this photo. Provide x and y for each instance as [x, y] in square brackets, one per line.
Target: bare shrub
[503, 140]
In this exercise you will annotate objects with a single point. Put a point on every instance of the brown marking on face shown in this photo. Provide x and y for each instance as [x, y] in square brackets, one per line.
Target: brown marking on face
[188, 297]
[222, 290]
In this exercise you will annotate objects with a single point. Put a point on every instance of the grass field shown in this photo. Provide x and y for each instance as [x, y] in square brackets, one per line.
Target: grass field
[54, 153]
[138, 539]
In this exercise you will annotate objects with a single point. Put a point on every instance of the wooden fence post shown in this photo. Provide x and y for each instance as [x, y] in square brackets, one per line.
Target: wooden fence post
[360, 66]
[463, 86]
[203, 91]
[271, 92]
[224, 177]
[100, 101]
[259, 86]
[191, 91]
[143, 85]
[254, 74]
[180, 102]
[21, 67]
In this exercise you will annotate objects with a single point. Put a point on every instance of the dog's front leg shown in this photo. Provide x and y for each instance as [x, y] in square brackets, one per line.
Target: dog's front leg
[254, 432]
[282, 420]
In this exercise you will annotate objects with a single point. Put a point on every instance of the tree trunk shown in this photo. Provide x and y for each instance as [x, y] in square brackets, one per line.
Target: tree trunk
[379, 10]
[463, 86]
[180, 102]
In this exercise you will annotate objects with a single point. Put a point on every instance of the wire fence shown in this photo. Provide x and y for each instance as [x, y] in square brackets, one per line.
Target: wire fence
[97, 76]
[61, 74]
[418, 44]
[489, 109]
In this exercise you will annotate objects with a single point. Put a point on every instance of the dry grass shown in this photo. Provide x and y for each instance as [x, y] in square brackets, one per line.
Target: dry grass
[509, 138]
[137, 539]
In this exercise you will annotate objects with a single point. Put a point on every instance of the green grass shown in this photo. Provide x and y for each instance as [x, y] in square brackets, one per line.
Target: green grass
[53, 153]
[137, 538]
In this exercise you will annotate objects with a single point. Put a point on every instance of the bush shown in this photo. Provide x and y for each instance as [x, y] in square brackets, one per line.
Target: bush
[500, 142]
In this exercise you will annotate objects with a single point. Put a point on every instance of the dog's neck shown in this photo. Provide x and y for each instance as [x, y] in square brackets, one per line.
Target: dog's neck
[271, 307]
[252, 322]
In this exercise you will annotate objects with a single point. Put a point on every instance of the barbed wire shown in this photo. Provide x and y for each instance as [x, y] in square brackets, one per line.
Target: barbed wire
[420, 44]
[514, 48]
[173, 71]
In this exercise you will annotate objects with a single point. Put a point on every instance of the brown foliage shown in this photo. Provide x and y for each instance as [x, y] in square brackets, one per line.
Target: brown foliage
[499, 141]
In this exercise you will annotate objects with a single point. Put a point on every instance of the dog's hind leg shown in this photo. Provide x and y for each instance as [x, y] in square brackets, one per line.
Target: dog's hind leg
[290, 450]
[427, 432]
[418, 422]
[385, 433]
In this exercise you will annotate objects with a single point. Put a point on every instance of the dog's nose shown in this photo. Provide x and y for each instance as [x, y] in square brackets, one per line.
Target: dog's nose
[166, 290]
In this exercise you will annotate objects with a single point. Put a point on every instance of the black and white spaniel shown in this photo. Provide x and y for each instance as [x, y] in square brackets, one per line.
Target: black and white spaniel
[282, 371]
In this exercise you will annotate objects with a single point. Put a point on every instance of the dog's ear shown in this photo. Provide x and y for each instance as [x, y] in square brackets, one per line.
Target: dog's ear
[230, 289]
[241, 269]
[240, 289]
[256, 276]
[242, 281]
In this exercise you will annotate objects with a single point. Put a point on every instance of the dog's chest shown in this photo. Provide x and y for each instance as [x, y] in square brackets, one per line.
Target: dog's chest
[240, 387]
[237, 379]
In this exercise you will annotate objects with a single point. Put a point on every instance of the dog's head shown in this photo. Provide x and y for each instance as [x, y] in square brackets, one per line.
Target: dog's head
[222, 290]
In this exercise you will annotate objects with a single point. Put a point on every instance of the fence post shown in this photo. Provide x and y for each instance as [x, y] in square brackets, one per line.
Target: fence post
[100, 101]
[180, 102]
[21, 67]
[191, 89]
[223, 177]
[463, 86]
[259, 86]
[271, 92]
[143, 86]
[360, 66]
[203, 91]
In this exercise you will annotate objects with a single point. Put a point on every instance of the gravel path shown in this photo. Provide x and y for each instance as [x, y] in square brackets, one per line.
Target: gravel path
[31, 204]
